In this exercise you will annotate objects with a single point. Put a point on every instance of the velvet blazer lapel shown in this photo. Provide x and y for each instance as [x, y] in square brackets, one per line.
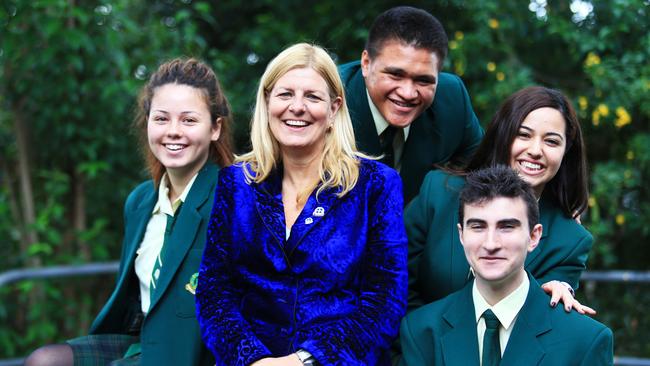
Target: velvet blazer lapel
[185, 229]
[532, 321]
[271, 211]
[460, 343]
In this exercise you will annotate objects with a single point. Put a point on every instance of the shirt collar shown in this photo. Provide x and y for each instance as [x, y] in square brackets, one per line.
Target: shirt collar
[380, 122]
[507, 309]
[163, 204]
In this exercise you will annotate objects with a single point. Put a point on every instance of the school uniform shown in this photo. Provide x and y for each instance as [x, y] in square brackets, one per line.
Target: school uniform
[169, 332]
[437, 262]
[445, 333]
[448, 130]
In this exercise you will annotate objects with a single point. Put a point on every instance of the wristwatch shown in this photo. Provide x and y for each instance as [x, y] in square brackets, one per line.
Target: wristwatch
[305, 357]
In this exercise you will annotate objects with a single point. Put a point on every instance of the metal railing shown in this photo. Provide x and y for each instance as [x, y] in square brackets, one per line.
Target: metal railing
[16, 275]
[112, 267]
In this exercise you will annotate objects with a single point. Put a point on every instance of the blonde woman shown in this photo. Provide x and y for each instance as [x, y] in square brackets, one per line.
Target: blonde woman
[306, 255]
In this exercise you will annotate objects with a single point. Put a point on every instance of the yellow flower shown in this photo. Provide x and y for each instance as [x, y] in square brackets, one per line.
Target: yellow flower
[620, 219]
[491, 66]
[603, 109]
[453, 45]
[583, 102]
[459, 68]
[592, 59]
[459, 35]
[622, 117]
[501, 76]
[595, 117]
[493, 23]
[592, 201]
[630, 155]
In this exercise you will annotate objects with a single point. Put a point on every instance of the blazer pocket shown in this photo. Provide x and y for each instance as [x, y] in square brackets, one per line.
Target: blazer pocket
[185, 303]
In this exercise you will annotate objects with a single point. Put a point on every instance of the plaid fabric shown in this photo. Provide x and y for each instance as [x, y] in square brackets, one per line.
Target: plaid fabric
[103, 349]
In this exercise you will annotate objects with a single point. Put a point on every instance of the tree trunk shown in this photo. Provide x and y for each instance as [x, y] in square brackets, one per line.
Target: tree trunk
[30, 235]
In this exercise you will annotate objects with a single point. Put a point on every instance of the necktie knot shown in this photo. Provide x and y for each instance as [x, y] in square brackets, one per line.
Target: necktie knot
[491, 320]
[386, 140]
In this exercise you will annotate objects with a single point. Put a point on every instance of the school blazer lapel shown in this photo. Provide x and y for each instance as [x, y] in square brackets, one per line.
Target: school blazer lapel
[186, 229]
[365, 131]
[533, 321]
[460, 343]
[140, 218]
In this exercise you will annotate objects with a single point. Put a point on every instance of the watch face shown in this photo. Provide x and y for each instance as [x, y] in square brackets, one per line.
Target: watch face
[305, 357]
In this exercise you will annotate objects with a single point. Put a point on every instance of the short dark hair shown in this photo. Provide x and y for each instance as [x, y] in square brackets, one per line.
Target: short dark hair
[569, 188]
[411, 26]
[484, 185]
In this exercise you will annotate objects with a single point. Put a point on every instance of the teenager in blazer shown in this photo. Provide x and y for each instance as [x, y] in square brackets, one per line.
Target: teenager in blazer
[184, 120]
[536, 132]
[498, 228]
[393, 86]
[306, 256]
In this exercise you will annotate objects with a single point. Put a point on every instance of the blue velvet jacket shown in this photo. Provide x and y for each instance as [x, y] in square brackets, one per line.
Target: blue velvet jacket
[336, 288]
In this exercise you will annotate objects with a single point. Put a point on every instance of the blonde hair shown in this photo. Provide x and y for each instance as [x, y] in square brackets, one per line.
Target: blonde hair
[339, 166]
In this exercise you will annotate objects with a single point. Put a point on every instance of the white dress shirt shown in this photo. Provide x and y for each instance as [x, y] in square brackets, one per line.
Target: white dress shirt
[505, 310]
[381, 124]
[154, 237]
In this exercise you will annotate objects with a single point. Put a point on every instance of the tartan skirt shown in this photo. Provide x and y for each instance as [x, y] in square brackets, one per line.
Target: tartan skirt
[103, 349]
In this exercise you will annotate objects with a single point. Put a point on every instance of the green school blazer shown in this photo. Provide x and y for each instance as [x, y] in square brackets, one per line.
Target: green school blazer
[437, 264]
[444, 333]
[446, 131]
[170, 333]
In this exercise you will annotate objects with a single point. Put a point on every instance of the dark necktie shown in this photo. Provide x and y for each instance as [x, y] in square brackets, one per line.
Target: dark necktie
[386, 141]
[491, 346]
[155, 274]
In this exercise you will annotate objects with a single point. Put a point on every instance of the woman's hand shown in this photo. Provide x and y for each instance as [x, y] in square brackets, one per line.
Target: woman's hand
[290, 360]
[558, 292]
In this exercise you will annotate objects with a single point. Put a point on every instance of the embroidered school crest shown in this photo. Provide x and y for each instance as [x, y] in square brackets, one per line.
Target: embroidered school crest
[191, 286]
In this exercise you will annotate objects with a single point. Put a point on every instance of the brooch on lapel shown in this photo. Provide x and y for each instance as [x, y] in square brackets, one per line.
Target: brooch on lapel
[191, 286]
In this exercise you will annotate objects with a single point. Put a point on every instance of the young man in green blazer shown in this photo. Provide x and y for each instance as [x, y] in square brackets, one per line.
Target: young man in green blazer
[502, 317]
[390, 94]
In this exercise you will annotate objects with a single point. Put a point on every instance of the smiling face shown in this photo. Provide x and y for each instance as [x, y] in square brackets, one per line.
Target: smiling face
[496, 238]
[537, 150]
[180, 130]
[401, 81]
[301, 110]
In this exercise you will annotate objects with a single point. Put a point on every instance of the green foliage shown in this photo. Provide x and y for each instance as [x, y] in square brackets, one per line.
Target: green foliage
[70, 72]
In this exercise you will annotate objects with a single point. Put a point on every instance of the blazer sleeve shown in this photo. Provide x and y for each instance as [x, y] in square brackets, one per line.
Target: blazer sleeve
[571, 262]
[417, 218]
[223, 328]
[601, 352]
[473, 132]
[364, 337]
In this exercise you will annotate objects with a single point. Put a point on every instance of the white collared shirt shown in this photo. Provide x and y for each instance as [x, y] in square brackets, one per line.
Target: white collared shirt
[505, 310]
[381, 125]
[154, 237]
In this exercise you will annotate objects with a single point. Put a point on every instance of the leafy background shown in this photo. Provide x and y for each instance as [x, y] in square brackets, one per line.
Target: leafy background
[70, 72]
